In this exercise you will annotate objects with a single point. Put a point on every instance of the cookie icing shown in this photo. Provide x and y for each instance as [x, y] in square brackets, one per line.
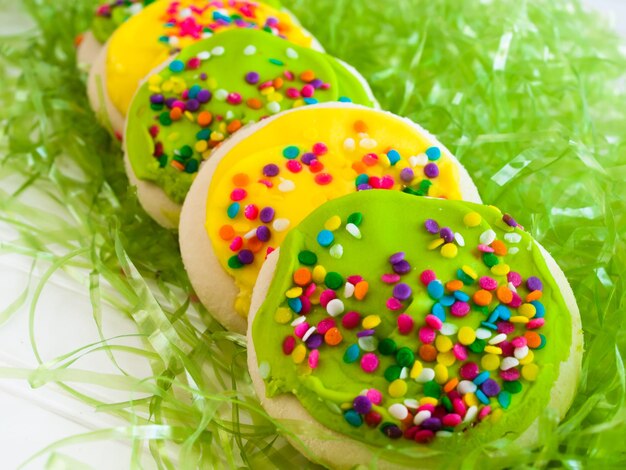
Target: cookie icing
[440, 324]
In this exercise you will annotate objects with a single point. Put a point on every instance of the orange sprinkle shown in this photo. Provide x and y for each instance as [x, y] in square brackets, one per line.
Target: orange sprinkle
[534, 295]
[278, 83]
[241, 179]
[504, 294]
[176, 114]
[532, 339]
[499, 248]
[307, 76]
[255, 245]
[78, 40]
[408, 420]
[428, 352]
[302, 276]
[227, 232]
[454, 285]
[233, 126]
[178, 165]
[333, 337]
[205, 118]
[360, 290]
[482, 297]
[254, 103]
[360, 126]
[450, 385]
[359, 167]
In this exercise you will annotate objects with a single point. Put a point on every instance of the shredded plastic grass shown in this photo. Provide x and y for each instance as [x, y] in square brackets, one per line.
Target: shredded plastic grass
[529, 95]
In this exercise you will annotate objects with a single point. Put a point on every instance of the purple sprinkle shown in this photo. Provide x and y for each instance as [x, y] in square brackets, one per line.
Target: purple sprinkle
[157, 99]
[203, 96]
[447, 234]
[401, 267]
[308, 157]
[270, 169]
[252, 78]
[431, 170]
[396, 257]
[432, 226]
[362, 404]
[263, 233]
[402, 291]
[509, 220]
[363, 187]
[490, 388]
[271, 21]
[407, 175]
[314, 341]
[392, 431]
[316, 83]
[267, 215]
[246, 257]
[170, 102]
[192, 105]
[534, 283]
[203, 76]
[364, 333]
[432, 424]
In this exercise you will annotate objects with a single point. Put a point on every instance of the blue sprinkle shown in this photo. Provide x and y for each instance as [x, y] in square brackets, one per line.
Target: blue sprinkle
[325, 238]
[439, 312]
[344, 99]
[503, 312]
[164, 39]
[435, 289]
[204, 134]
[447, 300]
[504, 398]
[482, 397]
[482, 377]
[276, 62]
[352, 354]
[462, 296]
[393, 156]
[491, 326]
[291, 152]
[310, 101]
[295, 304]
[493, 317]
[233, 210]
[194, 90]
[353, 418]
[540, 309]
[177, 66]
[433, 153]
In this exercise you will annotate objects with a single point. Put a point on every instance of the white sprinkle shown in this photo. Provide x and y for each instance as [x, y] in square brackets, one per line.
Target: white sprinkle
[334, 307]
[367, 143]
[286, 185]
[173, 41]
[273, 107]
[459, 239]
[483, 333]
[336, 251]
[250, 234]
[280, 225]
[349, 144]
[368, 343]
[471, 414]
[497, 339]
[443, 433]
[264, 369]
[229, 115]
[185, 13]
[511, 286]
[204, 55]
[398, 411]
[521, 352]
[404, 373]
[249, 50]
[308, 333]
[298, 320]
[512, 237]
[448, 329]
[513, 250]
[426, 375]
[487, 237]
[206, 34]
[411, 403]
[135, 8]
[509, 363]
[292, 53]
[348, 290]
[353, 230]
[418, 160]
[466, 386]
[221, 94]
[218, 51]
[420, 417]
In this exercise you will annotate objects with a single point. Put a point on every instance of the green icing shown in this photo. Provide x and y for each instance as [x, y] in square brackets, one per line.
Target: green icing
[226, 73]
[111, 14]
[394, 222]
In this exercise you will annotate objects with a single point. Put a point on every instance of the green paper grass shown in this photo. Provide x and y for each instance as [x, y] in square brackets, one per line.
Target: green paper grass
[530, 97]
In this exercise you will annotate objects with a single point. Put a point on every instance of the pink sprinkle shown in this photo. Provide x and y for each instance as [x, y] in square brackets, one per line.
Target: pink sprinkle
[393, 304]
[423, 436]
[510, 375]
[267, 84]
[506, 327]
[351, 320]
[451, 420]
[238, 194]
[427, 335]
[387, 182]
[300, 329]
[460, 352]
[390, 278]
[315, 166]
[289, 345]
[459, 406]
[267, 183]
[369, 362]
[375, 182]
[293, 93]
[519, 342]
[236, 244]
[193, 63]
[294, 166]
[323, 179]
[516, 301]
[454, 395]
[426, 407]
[485, 248]
[251, 212]
[434, 322]
[354, 279]
[484, 412]
[514, 278]
[535, 323]
[307, 91]
[178, 104]
[427, 276]
[488, 283]
[326, 324]
[314, 358]
[309, 289]
[405, 324]
[306, 305]
[319, 148]
[327, 296]
[288, 75]
[459, 309]
[233, 98]
[507, 348]
[469, 371]
[375, 396]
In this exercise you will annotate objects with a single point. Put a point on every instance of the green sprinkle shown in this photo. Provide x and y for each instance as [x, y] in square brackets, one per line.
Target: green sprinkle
[387, 347]
[186, 151]
[165, 119]
[234, 263]
[308, 258]
[392, 373]
[478, 346]
[432, 389]
[405, 357]
[514, 386]
[333, 280]
[191, 166]
[276, 62]
[355, 218]
[490, 259]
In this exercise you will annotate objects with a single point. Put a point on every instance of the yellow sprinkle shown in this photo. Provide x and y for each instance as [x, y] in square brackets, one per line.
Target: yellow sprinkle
[493, 349]
[217, 136]
[275, 97]
[466, 335]
[333, 223]
[315, 296]
[167, 85]
[298, 354]
[470, 399]
[222, 127]
[173, 136]
[402, 164]
[383, 161]
[416, 370]
[435, 244]
[528, 359]
[446, 358]
[268, 91]
[397, 388]
[319, 273]
[155, 89]
[212, 83]
[428, 401]
[298, 103]
[201, 146]
[370, 321]
[206, 154]
[490, 362]
[190, 116]
[283, 315]
[530, 372]
[501, 269]
[443, 343]
[441, 374]
[345, 406]
[155, 79]
[496, 415]
[472, 219]
[519, 319]
[449, 250]
[294, 292]
[469, 271]
[528, 310]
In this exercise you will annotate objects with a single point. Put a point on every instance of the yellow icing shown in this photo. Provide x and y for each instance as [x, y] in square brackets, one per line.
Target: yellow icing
[303, 128]
[134, 49]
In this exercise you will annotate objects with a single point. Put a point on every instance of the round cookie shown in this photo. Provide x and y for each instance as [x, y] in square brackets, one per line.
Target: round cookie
[185, 110]
[442, 327]
[165, 27]
[272, 174]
